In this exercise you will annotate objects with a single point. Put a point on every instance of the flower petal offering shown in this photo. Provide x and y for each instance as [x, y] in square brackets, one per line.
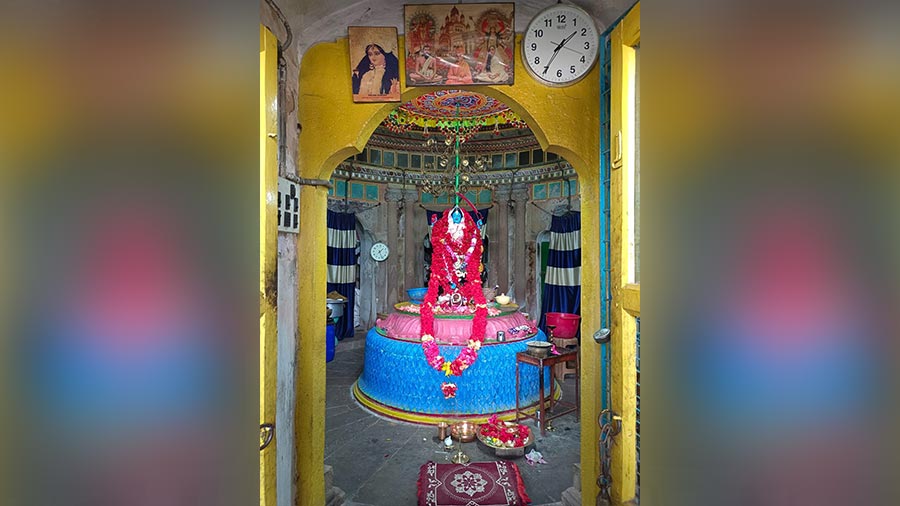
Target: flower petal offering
[500, 434]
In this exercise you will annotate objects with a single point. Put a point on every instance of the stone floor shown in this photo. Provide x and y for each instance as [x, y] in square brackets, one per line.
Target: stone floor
[376, 460]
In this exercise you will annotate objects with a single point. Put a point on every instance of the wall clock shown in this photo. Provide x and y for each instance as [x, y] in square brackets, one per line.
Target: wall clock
[379, 251]
[560, 45]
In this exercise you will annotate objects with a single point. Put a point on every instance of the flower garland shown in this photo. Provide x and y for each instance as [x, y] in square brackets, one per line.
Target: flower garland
[453, 257]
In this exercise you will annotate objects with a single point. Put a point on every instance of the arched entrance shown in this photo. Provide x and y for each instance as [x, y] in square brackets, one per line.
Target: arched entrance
[333, 128]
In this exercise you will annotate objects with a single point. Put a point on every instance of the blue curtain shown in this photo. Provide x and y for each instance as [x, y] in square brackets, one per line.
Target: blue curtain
[342, 262]
[562, 283]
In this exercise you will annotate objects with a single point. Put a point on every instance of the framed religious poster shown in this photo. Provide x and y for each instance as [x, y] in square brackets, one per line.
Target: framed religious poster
[374, 64]
[457, 44]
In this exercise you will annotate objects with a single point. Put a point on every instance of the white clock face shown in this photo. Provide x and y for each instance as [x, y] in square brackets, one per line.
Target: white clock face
[379, 251]
[560, 45]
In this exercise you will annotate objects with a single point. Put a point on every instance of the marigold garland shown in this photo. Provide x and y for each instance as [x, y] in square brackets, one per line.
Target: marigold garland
[445, 265]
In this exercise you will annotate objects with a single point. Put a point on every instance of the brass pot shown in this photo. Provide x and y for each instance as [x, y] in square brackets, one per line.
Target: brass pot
[464, 432]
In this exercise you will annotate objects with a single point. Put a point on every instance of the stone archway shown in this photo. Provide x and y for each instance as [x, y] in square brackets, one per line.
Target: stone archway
[565, 121]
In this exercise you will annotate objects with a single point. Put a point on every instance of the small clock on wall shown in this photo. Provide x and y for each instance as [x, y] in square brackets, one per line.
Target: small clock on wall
[560, 45]
[379, 251]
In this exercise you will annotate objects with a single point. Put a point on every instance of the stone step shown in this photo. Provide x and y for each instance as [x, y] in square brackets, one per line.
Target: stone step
[329, 478]
[338, 499]
[576, 480]
[571, 497]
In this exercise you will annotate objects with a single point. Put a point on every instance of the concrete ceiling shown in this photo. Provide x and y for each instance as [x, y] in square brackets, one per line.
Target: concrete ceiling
[316, 21]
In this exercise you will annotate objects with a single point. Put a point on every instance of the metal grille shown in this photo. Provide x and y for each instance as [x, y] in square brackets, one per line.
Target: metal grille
[607, 428]
[605, 294]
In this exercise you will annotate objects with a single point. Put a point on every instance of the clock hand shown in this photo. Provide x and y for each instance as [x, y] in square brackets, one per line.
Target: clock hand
[568, 39]
[556, 51]
[570, 49]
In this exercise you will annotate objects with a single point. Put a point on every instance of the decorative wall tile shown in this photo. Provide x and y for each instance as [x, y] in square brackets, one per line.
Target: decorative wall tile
[356, 191]
[554, 189]
[524, 158]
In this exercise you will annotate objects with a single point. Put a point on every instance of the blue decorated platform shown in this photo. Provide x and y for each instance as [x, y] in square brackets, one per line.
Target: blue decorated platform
[397, 381]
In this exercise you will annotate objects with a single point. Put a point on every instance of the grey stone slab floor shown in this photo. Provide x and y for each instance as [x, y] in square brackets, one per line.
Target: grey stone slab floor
[376, 461]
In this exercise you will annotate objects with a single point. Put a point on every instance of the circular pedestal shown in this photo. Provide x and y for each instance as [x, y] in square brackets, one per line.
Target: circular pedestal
[397, 381]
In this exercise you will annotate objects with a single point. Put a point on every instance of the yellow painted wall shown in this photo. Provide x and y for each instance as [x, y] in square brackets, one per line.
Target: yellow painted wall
[564, 120]
[268, 244]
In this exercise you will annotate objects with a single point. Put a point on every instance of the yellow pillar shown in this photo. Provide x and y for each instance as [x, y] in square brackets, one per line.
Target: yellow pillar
[625, 296]
[309, 417]
[268, 244]
[591, 379]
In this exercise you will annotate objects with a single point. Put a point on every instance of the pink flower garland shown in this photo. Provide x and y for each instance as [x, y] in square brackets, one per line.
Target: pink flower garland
[443, 275]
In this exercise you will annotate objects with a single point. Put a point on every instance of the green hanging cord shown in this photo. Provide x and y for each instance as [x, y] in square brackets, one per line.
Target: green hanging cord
[456, 185]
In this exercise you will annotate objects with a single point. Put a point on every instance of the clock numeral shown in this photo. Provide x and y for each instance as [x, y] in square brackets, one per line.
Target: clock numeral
[548, 22]
[584, 32]
[587, 45]
[533, 46]
[537, 59]
[538, 33]
[582, 59]
[572, 68]
[561, 18]
[574, 21]
[559, 73]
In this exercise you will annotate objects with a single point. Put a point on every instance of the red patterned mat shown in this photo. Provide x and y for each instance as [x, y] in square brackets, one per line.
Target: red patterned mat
[477, 484]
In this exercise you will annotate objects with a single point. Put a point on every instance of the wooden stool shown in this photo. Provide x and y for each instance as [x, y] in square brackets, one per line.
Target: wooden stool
[562, 369]
[542, 415]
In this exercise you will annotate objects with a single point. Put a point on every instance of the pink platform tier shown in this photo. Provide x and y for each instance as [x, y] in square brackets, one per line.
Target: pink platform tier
[454, 329]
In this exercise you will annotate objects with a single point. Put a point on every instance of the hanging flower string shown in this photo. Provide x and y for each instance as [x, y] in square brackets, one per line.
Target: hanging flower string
[457, 254]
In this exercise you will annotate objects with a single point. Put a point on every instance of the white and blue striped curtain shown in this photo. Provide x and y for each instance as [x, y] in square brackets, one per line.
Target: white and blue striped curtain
[342, 261]
[562, 282]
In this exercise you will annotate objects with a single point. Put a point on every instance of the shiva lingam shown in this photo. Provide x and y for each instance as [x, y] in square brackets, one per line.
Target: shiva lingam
[464, 432]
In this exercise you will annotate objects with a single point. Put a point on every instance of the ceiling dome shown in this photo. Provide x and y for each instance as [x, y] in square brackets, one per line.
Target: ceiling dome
[454, 104]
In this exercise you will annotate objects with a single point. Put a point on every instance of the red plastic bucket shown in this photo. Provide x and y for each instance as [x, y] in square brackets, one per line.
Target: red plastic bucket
[566, 324]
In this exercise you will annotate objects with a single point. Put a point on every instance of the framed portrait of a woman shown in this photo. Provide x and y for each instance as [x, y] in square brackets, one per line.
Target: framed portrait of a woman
[374, 65]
